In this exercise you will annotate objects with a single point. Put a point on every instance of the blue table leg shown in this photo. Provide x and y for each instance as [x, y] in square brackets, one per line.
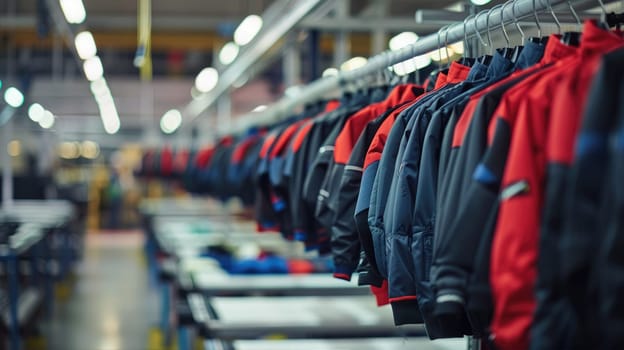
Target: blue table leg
[165, 311]
[184, 338]
[13, 303]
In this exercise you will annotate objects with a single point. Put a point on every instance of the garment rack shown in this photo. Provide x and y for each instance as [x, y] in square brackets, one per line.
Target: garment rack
[453, 33]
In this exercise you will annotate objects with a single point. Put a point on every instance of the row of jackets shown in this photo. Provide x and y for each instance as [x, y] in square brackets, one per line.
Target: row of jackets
[490, 206]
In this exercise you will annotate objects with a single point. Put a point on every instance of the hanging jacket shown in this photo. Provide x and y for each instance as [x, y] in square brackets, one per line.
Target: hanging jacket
[583, 215]
[304, 222]
[515, 241]
[396, 238]
[266, 217]
[325, 207]
[370, 155]
[340, 201]
[604, 103]
[473, 222]
[465, 141]
[331, 197]
[387, 141]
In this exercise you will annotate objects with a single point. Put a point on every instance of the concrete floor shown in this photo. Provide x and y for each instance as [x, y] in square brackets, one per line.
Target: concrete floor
[111, 306]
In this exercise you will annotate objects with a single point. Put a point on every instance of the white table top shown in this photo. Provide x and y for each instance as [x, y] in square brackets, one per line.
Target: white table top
[314, 284]
[401, 343]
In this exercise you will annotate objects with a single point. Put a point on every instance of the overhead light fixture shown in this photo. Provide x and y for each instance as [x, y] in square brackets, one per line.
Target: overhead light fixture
[458, 47]
[93, 68]
[89, 149]
[441, 54]
[353, 63]
[330, 72]
[108, 114]
[13, 97]
[480, 2]
[35, 112]
[228, 53]
[14, 148]
[402, 40]
[260, 108]
[47, 120]
[85, 45]
[74, 11]
[411, 65]
[247, 30]
[171, 121]
[99, 87]
[206, 79]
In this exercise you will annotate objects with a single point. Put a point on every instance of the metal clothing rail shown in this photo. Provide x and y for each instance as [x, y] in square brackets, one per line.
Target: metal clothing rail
[455, 32]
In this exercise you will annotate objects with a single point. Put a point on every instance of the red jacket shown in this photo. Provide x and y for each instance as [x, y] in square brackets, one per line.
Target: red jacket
[515, 244]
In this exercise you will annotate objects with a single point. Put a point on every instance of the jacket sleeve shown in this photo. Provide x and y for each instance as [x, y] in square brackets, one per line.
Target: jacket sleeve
[345, 240]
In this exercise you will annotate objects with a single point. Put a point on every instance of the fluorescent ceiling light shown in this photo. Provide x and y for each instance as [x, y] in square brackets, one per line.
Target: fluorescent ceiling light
[13, 97]
[330, 72]
[247, 30]
[171, 121]
[93, 68]
[85, 45]
[47, 120]
[260, 108]
[402, 40]
[228, 53]
[74, 11]
[89, 149]
[207, 79]
[353, 63]
[480, 2]
[35, 112]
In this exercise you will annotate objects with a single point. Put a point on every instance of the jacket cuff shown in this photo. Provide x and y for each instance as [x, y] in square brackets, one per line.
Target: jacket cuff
[405, 311]
[369, 278]
[343, 272]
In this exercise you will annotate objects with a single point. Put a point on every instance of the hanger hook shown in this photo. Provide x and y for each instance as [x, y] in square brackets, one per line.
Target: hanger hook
[467, 46]
[537, 22]
[448, 56]
[502, 19]
[554, 16]
[476, 28]
[489, 32]
[574, 14]
[603, 15]
[513, 13]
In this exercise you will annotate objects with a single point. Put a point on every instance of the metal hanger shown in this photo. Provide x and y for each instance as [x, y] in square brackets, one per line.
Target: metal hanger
[537, 22]
[487, 25]
[467, 46]
[574, 14]
[513, 12]
[502, 20]
[573, 38]
[603, 15]
[448, 56]
[440, 45]
[476, 21]
[552, 13]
